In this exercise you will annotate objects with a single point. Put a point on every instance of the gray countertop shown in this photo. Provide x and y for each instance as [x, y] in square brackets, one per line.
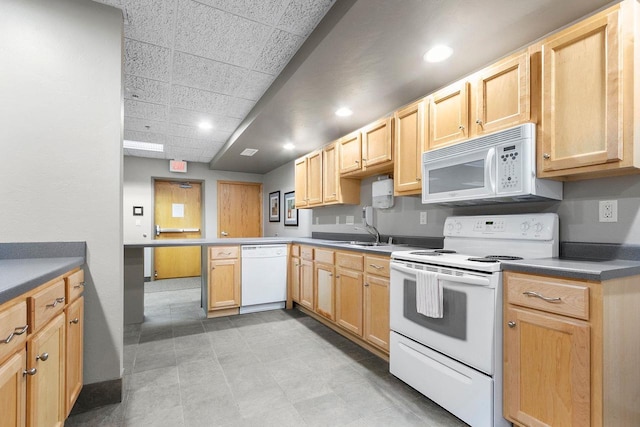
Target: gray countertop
[575, 268]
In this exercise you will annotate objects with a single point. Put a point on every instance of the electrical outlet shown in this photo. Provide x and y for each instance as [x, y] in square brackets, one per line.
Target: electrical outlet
[337, 219]
[423, 218]
[608, 210]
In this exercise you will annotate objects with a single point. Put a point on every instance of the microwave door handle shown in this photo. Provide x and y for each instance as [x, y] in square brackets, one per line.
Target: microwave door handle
[480, 281]
[490, 169]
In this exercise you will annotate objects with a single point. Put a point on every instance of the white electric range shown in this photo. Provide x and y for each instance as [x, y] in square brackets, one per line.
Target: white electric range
[456, 360]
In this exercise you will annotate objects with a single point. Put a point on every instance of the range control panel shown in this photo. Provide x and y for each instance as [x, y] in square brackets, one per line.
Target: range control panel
[522, 226]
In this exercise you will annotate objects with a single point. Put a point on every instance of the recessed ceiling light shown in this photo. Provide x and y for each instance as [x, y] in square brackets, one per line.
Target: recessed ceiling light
[289, 146]
[144, 146]
[438, 53]
[344, 112]
[205, 125]
[249, 152]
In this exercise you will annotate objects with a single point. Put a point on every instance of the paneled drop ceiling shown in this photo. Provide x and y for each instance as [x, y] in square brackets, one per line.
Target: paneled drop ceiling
[268, 72]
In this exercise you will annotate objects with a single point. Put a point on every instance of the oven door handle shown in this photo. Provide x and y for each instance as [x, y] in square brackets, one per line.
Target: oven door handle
[466, 279]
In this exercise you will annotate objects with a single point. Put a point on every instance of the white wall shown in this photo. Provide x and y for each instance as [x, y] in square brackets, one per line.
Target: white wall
[139, 174]
[283, 179]
[60, 145]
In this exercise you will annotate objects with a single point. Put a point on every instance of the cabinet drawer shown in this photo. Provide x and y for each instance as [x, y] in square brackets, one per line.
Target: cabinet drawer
[376, 265]
[549, 294]
[75, 285]
[223, 252]
[295, 250]
[306, 252]
[353, 261]
[45, 304]
[324, 256]
[13, 327]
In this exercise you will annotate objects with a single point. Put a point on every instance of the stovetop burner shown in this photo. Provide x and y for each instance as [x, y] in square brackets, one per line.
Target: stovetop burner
[436, 252]
[495, 258]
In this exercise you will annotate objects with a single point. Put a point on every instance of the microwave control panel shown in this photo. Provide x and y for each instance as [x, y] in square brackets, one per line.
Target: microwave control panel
[509, 160]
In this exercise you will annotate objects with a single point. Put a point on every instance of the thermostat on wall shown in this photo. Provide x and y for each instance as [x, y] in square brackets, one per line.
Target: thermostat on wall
[177, 166]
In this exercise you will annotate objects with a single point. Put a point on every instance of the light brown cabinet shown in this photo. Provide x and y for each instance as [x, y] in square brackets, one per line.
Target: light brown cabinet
[349, 299]
[449, 115]
[294, 273]
[573, 342]
[308, 176]
[336, 189]
[376, 301]
[13, 390]
[306, 277]
[324, 272]
[410, 142]
[74, 317]
[367, 151]
[224, 281]
[588, 106]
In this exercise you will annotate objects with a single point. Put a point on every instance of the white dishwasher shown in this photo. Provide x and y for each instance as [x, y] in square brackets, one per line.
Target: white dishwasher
[264, 277]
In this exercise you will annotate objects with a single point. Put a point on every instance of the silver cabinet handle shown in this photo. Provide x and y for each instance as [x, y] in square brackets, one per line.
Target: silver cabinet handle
[511, 324]
[31, 371]
[366, 284]
[56, 302]
[357, 161]
[542, 297]
[17, 331]
[461, 127]
[479, 122]
[224, 253]
[79, 285]
[546, 156]
[74, 321]
[43, 357]
[418, 178]
[224, 233]
[377, 267]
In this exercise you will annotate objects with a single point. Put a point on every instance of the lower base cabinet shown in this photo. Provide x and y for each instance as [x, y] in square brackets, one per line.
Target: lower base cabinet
[376, 313]
[224, 281]
[74, 324]
[13, 391]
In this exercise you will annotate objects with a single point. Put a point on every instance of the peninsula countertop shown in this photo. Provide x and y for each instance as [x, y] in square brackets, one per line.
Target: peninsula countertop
[586, 269]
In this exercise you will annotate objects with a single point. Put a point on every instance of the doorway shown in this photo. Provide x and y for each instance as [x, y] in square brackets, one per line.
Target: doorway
[239, 209]
[178, 215]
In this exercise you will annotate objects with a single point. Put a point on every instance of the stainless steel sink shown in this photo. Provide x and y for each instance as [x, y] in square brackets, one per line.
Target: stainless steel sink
[355, 243]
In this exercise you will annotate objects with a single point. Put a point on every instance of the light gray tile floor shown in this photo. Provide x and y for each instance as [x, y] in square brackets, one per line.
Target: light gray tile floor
[274, 368]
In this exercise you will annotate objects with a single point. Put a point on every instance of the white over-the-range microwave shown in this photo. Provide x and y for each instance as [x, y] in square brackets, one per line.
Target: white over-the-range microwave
[496, 168]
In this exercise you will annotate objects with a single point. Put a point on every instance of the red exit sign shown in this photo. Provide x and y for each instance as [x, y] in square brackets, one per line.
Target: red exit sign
[177, 166]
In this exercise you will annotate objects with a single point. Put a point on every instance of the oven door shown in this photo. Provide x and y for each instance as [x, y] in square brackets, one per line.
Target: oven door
[465, 176]
[466, 332]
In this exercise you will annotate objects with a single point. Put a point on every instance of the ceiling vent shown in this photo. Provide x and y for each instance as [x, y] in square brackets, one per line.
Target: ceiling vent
[249, 152]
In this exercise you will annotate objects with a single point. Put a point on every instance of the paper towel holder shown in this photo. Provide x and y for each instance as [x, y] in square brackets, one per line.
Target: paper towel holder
[382, 193]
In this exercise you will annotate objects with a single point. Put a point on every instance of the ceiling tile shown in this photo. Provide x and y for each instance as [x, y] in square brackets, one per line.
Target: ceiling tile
[254, 85]
[145, 110]
[302, 16]
[182, 153]
[146, 60]
[203, 73]
[192, 118]
[146, 90]
[212, 33]
[277, 52]
[211, 102]
[265, 11]
[144, 153]
[140, 125]
[131, 135]
[176, 141]
[150, 21]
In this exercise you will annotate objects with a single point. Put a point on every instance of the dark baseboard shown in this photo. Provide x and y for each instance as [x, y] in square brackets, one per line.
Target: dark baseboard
[98, 394]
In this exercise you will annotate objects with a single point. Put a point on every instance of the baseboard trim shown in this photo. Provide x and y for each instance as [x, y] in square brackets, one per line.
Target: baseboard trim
[98, 394]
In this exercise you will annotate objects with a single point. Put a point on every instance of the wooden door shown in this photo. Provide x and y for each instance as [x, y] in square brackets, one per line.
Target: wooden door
[377, 143]
[449, 115]
[350, 152]
[502, 95]
[349, 284]
[410, 143]
[301, 183]
[13, 391]
[45, 389]
[582, 95]
[325, 290]
[547, 369]
[294, 279]
[306, 283]
[376, 314]
[178, 206]
[224, 283]
[239, 209]
[314, 178]
[330, 175]
[74, 352]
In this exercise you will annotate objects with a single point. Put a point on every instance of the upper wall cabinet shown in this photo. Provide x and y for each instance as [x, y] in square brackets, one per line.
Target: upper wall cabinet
[368, 151]
[410, 123]
[588, 97]
[308, 176]
[495, 98]
[334, 188]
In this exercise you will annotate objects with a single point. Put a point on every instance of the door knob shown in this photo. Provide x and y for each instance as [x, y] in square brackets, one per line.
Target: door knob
[224, 234]
[43, 357]
[511, 324]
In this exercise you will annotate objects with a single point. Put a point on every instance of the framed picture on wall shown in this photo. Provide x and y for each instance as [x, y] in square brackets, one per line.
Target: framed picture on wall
[274, 206]
[290, 211]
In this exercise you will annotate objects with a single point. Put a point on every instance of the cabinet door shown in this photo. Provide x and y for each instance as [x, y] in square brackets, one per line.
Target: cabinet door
[325, 290]
[45, 389]
[502, 95]
[330, 175]
[377, 143]
[582, 95]
[224, 283]
[546, 369]
[13, 391]
[314, 178]
[74, 332]
[410, 143]
[349, 299]
[294, 279]
[376, 311]
[449, 115]
[306, 284]
[301, 182]
[350, 153]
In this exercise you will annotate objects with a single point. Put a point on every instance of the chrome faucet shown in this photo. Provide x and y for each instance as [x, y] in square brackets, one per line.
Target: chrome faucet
[371, 230]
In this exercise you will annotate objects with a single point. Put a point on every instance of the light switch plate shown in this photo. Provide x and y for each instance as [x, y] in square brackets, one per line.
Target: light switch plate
[350, 219]
[423, 218]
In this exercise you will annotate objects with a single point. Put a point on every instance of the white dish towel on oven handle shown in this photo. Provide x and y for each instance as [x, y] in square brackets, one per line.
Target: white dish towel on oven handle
[429, 294]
